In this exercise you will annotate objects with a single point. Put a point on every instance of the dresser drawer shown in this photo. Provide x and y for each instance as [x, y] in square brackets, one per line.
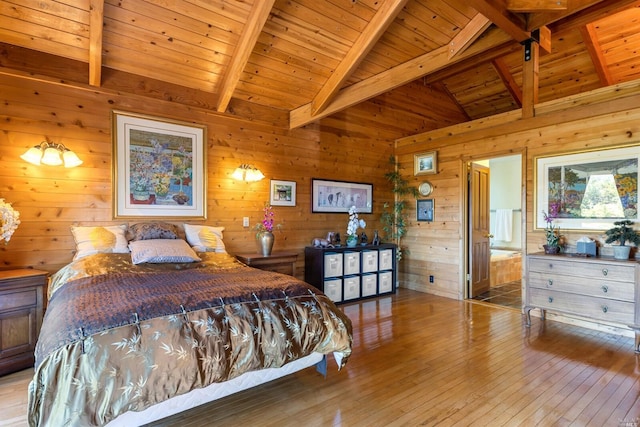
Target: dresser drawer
[598, 287]
[581, 305]
[610, 271]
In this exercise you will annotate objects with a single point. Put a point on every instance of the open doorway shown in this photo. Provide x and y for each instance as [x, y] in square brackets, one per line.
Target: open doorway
[495, 213]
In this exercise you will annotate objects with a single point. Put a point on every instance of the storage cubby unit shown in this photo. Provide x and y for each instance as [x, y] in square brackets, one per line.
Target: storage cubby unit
[350, 273]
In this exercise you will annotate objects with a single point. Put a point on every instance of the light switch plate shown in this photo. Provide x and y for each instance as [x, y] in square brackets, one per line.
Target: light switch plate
[245, 221]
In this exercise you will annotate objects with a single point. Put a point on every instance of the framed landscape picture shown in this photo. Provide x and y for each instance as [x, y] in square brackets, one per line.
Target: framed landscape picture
[158, 167]
[587, 190]
[425, 163]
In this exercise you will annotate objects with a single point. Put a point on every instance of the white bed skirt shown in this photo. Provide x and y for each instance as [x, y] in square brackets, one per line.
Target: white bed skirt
[212, 392]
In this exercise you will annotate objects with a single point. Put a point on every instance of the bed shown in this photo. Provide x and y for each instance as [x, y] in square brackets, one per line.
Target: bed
[131, 336]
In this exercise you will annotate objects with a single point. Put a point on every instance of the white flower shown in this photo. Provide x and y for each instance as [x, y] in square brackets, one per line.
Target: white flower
[9, 220]
[354, 222]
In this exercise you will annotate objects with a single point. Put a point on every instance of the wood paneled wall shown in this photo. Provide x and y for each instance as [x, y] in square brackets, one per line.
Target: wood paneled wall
[354, 146]
[599, 119]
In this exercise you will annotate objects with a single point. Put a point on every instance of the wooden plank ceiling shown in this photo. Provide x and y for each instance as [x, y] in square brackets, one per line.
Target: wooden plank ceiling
[313, 58]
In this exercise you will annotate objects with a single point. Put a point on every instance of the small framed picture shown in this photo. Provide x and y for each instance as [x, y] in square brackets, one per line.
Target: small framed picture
[283, 193]
[425, 210]
[425, 163]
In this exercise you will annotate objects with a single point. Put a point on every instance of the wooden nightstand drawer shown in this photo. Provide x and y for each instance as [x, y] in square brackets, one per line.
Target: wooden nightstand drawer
[279, 262]
[12, 300]
[21, 307]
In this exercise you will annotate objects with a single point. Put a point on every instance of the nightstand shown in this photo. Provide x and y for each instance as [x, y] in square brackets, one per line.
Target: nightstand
[280, 262]
[21, 306]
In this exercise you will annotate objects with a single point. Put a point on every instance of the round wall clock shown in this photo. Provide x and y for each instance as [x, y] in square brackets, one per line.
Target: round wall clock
[425, 188]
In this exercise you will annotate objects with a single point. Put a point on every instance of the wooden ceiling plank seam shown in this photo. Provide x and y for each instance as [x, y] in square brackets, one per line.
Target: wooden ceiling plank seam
[312, 16]
[431, 27]
[51, 34]
[442, 87]
[73, 19]
[385, 15]
[509, 82]
[44, 45]
[353, 20]
[397, 76]
[510, 23]
[596, 54]
[457, 12]
[232, 10]
[150, 55]
[165, 26]
[96, 19]
[267, 65]
[468, 34]
[292, 52]
[356, 8]
[255, 22]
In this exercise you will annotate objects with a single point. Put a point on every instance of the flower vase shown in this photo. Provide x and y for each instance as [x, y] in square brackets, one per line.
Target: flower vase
[352, 241]
[265, 241]
[140, 194]
[552, 250]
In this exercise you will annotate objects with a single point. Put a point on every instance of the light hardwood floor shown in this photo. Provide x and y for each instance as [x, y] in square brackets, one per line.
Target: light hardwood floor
[419, 359]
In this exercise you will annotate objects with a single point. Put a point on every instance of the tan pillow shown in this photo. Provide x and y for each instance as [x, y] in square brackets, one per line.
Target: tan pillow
[94, 240]
[205, 238]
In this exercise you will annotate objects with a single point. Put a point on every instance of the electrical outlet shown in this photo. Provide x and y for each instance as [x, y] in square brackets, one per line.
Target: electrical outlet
[245, 221]
[430, 278]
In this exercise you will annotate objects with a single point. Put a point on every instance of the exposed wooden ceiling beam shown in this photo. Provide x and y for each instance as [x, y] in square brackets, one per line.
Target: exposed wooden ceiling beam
[397, 76]
[530, 79]
[468, 34]
[367, 39]
[96, 19]
[510, 23]
[536, 5]
[252, 29]
[537, 20]
[595, 52]
[508, 80]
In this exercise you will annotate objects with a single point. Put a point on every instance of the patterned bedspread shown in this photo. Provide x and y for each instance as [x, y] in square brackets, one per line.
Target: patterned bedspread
[118, 337]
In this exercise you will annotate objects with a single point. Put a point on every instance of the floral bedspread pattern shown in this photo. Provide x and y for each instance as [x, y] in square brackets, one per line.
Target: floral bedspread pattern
[118, 337]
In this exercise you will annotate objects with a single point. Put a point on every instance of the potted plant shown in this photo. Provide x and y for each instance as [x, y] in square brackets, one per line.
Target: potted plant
[622, 232]
[394, 218]
[554, 238]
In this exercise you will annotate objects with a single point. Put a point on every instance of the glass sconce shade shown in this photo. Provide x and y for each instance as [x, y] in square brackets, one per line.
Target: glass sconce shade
[49, 153]
[247, 173]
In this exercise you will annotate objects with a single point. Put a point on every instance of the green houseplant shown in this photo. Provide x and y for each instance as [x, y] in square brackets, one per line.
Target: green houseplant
[394, 218]
[622, 232]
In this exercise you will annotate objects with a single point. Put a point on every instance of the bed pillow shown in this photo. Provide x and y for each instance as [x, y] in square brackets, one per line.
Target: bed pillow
[153, 230]
[102, 239]
[204, 238]
[156, 251]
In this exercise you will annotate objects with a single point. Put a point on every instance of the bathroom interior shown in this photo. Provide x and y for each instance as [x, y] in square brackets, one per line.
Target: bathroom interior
[506, 244]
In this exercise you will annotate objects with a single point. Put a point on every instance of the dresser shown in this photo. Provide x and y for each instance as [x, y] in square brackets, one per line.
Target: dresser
[21, 306]
[598, 289]
[350, 273]
[280, 262]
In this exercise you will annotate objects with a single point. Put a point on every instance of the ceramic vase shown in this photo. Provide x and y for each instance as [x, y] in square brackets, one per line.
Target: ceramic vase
[352, 241]
[265, 242]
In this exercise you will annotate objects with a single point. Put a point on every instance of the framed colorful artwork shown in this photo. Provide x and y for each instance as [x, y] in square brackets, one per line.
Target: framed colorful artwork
[158, 167]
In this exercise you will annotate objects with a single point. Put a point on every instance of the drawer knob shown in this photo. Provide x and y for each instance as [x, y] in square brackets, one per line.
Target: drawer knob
[605, 288]
[550, 299]
[550, 282]
[605, 271]
[605, 308]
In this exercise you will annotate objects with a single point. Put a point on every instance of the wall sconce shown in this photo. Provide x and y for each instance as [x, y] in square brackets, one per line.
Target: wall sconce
[52, 154]
[247, 173]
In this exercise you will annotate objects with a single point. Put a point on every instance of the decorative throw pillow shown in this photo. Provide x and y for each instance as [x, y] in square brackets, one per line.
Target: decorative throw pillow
[157, 251]
[204, 238]
[94, 240]
[153, 230]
